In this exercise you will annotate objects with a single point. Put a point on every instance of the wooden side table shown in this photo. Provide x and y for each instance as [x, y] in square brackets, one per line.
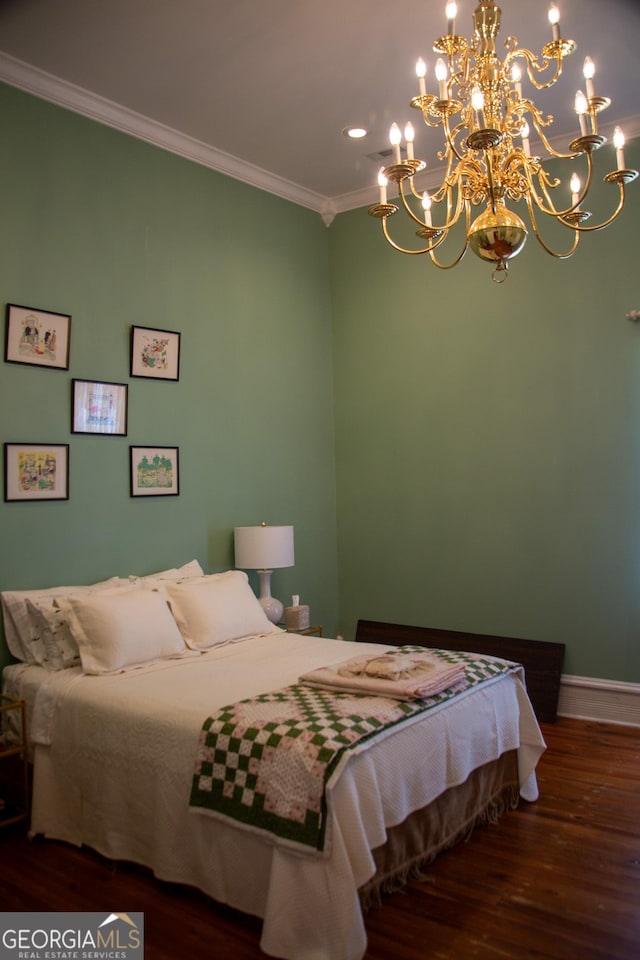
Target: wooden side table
[14, 768]
[308, 632]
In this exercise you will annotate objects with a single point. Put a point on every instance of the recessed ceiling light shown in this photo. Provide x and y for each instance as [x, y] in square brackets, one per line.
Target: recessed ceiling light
[355, 133]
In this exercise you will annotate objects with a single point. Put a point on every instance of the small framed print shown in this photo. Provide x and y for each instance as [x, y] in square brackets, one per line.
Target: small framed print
[155, 353]
[99, 407]
[36, 471]
[154, 472]
[37, 337]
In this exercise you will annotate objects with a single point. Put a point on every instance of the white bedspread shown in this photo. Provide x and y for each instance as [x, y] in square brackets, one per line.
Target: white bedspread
[97, 737]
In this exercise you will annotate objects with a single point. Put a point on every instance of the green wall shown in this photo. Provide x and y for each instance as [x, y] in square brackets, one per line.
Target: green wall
[488, 441]
[116, 232]
[486, 448]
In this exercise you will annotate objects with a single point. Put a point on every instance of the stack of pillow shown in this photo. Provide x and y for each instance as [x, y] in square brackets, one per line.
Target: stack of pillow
[123, 623]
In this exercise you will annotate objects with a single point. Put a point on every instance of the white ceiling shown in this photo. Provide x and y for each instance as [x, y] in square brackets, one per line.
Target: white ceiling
[261, 89]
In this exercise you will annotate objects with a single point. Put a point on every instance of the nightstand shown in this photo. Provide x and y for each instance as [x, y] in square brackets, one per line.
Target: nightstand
[308, 632]
[14, 770]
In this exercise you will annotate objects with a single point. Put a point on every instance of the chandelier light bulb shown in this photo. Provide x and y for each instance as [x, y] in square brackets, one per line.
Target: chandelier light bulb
[382, 183]
[451, 11]
[409, 135]
[394, 139]
[421, 70]
[581, 103]
[618, 142]
[554, 20]
[574, 186]
[441, 69]
[477, 99]
[516, 77]
[581, 107]
[477, 102]
[441, 77]
[589, 72]
[426, 206]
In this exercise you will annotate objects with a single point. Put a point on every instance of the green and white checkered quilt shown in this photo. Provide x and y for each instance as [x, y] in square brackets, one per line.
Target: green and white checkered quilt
[266, 762]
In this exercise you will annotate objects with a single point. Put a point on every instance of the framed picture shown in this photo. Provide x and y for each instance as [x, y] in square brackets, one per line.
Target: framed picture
[99, 407]
[154, 472]
[36, 471]
[37, 337]
[155, 353]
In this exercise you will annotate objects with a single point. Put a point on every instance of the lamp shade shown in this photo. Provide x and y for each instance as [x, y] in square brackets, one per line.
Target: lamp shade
[263, 547]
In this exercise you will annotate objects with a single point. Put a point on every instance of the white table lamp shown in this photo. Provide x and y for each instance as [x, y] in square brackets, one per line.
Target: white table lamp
[265, 549]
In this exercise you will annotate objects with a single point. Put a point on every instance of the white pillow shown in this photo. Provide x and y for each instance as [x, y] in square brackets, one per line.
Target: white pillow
[22, 636]
[122, 628]
[217, 609]
[191, 569]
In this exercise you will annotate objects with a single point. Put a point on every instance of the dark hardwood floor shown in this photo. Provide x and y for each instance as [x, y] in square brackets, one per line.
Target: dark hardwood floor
[555, 880]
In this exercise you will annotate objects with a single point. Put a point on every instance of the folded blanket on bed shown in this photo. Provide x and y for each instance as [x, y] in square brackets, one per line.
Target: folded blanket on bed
[398, 674]
[268, 763]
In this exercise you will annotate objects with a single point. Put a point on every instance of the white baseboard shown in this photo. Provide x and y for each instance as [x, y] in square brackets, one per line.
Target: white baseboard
[587, 698]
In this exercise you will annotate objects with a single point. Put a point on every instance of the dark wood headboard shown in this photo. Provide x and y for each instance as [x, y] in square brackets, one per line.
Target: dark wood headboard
[542, 661]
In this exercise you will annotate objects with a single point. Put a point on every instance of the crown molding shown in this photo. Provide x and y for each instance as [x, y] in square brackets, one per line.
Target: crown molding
[25, 77]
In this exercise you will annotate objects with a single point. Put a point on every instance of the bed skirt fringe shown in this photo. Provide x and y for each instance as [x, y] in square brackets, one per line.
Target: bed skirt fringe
[489, 792]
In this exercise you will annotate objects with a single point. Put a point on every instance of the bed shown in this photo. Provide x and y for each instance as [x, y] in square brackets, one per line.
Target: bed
[115, 727]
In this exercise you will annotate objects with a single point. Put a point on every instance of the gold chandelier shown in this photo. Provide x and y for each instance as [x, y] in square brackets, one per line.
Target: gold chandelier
[486, 122]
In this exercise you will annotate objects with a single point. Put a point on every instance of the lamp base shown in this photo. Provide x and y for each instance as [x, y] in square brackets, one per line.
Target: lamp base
[273, 608]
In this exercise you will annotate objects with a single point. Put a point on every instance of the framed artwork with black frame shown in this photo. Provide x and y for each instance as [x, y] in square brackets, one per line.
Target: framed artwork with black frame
[155, 353]
[39, 338]
[36, 471]
[155, 471]
[99, 407]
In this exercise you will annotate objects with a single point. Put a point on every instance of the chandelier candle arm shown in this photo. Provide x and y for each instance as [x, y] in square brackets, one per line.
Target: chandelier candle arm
[591, 228]
[458, 258]
[407, 207]
[486, 117]
[553, 253]
[429, 234]
[555, 57]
